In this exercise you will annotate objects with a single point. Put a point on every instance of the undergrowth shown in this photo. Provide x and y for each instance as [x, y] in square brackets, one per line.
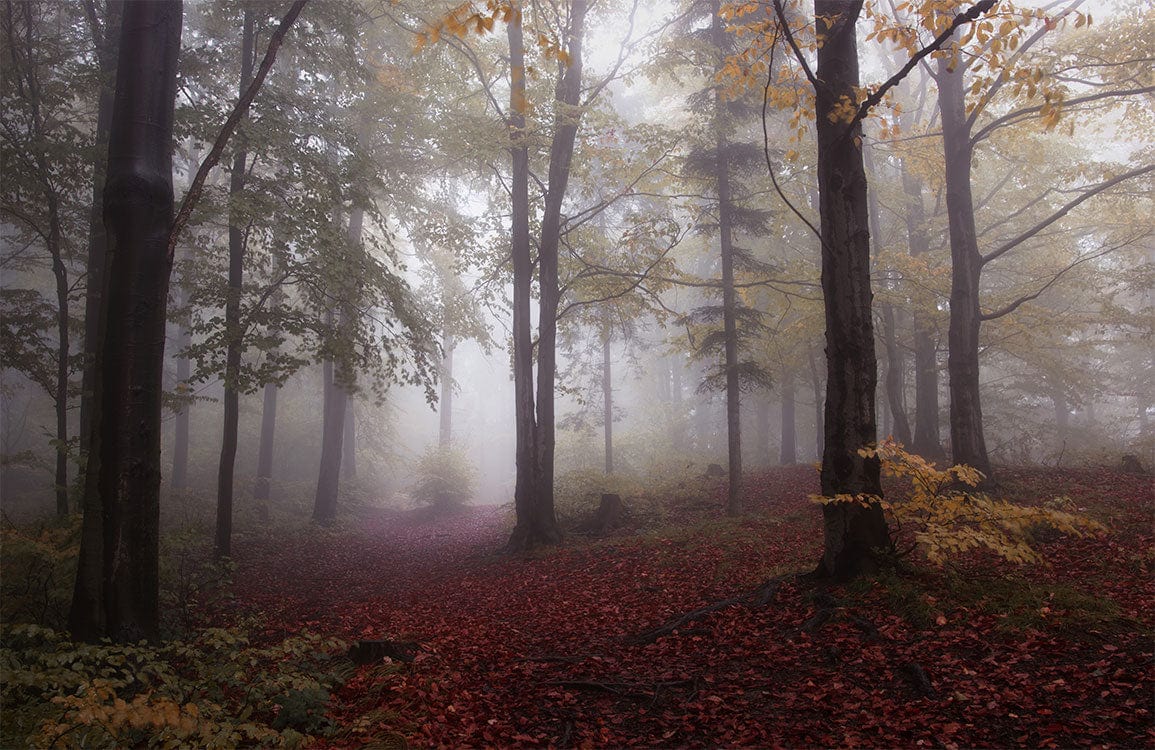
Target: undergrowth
[216, 689]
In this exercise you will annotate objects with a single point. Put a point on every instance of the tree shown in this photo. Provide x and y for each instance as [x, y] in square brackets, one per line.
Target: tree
[233, 333]
[116, 594]
[854, 527]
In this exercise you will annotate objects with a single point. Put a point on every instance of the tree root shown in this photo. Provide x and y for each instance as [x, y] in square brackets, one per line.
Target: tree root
[759, 597]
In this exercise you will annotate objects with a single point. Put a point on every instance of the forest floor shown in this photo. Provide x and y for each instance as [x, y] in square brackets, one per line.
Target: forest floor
[550, 648]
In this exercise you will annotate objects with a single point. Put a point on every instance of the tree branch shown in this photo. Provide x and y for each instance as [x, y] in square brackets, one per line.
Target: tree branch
[1012, 117]
[192, 197]
[1066, 209]
[965, 17]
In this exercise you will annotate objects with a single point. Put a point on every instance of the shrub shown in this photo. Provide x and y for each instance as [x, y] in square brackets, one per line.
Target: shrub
[39, 564]
[949, 516]
[444, 478]
[214, 690]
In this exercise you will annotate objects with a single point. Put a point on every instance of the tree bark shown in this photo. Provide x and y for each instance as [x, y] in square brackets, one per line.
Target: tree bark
[233, 327]
[853, 532]
[968, 445]
[105, 41]
[117, 583]
[533, 496]
[789, 453]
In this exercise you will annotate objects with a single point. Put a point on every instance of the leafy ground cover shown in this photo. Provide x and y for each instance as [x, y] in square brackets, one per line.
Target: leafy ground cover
[554, 649]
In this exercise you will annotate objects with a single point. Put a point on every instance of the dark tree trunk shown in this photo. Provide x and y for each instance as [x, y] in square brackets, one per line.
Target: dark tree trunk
[105, 40]
[445, 402]
[265, 450]
[853, 532]
[533, 496]
[336, 392]
[789, 452]
[233, 333]
[927, 439]
[608, 402]
[180, 442]
[117, 583]
[332, 437]
[729, 302]
[968, 446]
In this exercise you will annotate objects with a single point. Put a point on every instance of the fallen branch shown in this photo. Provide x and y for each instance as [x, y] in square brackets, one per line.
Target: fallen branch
[626, 689]
[759, 597]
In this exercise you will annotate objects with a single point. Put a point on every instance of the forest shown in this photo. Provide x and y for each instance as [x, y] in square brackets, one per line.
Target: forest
[577, 373]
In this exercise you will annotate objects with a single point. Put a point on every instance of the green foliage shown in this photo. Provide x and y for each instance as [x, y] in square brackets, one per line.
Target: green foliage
[444, 478]
[39, 564]
[217, 689]
[950, 517]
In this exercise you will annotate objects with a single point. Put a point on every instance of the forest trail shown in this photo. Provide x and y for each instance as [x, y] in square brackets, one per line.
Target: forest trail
[536, 650]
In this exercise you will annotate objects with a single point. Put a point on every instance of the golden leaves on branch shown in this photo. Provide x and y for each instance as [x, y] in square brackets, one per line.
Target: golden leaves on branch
[470, 18]
[950, 516]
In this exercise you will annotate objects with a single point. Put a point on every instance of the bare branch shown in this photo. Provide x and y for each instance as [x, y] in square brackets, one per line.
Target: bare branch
[1066, 209]
[192, 197]
[1012, 117]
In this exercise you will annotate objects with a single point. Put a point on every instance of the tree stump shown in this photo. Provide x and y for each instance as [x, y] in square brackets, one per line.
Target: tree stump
[715, 470]
[1130, 465]
[610, 515]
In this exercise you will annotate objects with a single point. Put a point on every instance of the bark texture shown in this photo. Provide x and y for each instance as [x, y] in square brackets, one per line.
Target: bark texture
[117, 584]
[852, 532]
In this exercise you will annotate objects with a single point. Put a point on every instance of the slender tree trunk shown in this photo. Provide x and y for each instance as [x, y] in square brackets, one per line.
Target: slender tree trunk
[893, 382]
[116, 592]
[762, 430]
[106, 41]
[180, 441]
[680, 424]
[533, 501]
[729, 301]
[968, 445]
[853, 532]
[63, 347]
[927, 439]
[336, 403]
[265, 451]
[608, 402]
[349, 442]
[234, 334]
[445, 402]
[789, 453]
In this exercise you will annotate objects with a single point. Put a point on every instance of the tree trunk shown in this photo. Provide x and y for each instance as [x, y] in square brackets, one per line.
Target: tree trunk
[853, 532]
[927, 439]
[680, 425]
[893, 382]
[729, 302]
[180, 443]
[233, 333]
[533, 499]
[762, 431]
[117, 583]
[789, 453]
[608, 402]
[445, 403]
[332, 435]
[336, 389]
[265, 450]
[349, 443]
[968, 446]
[105, 41]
